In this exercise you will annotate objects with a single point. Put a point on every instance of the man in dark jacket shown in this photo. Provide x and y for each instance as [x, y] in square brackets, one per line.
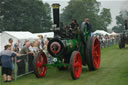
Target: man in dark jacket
[89, 26]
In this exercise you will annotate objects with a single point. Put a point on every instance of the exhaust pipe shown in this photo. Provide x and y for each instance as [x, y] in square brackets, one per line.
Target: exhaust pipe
[56, 16]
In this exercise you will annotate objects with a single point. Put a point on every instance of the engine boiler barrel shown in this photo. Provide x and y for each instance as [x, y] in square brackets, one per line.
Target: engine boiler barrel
[71, 45]
[58, 47]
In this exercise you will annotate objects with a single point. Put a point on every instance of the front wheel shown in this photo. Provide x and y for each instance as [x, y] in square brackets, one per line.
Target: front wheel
[75, 65]
[39, 65]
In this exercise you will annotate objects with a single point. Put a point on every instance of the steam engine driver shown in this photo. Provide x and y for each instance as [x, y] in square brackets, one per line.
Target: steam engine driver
[74, 27]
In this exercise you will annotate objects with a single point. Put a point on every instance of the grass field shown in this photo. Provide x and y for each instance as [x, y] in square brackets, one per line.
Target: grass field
[113, 71]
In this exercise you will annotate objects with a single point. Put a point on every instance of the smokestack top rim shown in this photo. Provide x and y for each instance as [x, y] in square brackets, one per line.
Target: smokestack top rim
[55, 5]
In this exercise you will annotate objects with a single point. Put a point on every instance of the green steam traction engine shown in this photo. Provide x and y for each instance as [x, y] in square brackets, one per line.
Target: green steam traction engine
[70, 52]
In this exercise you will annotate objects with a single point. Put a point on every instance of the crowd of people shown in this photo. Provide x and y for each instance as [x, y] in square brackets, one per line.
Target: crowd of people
[13, 52]
[107, 40]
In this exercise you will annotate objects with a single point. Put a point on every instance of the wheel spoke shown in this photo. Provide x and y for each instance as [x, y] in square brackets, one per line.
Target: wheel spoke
[38, 64]
[94, 53]
[95, 61]
[77, 64]
[39, 59]
[97, 55]
[41, 64]
[41, 74]
[96, 47]
[42, 69]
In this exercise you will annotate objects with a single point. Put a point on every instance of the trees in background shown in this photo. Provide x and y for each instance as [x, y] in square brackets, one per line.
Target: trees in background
[24, 15]
[123, 15]
[105, 18]
[35, 16]
[81, 9]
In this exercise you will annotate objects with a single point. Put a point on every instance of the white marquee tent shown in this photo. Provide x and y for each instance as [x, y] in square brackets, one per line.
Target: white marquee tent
[114, 34]
[101, 32]
[16, 35]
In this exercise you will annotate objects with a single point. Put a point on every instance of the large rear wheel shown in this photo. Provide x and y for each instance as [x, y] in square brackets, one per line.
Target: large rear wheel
[93, 53]
[40, 62]
[75, 65]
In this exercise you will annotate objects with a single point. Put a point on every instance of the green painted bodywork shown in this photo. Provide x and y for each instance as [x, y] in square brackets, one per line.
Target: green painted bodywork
[71, 44]
[77, 44]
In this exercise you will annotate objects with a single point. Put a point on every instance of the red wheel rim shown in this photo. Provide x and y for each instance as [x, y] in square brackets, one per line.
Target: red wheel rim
[96, 53]
[55, 47]
[77, 65]
[41, 64]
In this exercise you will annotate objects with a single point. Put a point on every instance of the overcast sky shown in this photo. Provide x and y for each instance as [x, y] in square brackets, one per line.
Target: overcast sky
[114, 5]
